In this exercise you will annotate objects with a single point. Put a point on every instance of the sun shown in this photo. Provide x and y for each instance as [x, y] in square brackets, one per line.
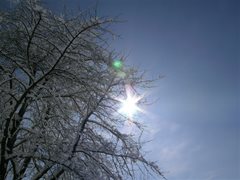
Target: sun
[129, 106]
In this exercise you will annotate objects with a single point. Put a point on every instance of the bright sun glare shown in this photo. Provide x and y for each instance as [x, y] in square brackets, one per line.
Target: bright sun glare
[129, 104]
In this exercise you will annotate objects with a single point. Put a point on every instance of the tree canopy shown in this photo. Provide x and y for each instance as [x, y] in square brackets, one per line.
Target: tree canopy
[60, 90]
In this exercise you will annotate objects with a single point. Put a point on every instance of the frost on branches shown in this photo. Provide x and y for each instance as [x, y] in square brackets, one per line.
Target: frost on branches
[59, 114]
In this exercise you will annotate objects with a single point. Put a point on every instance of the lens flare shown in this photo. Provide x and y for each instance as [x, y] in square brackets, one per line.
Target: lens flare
[117, 64]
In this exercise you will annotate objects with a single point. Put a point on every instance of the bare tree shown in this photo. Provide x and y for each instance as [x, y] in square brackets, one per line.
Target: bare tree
[58, 108]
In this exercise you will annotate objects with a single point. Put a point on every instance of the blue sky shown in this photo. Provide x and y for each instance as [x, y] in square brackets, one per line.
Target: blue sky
[195, 44]
[194, 126]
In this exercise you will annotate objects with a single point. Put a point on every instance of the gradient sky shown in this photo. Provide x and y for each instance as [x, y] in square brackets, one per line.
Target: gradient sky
[195, 44]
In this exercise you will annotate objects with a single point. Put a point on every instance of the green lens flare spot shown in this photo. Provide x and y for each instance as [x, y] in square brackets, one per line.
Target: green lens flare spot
[117, 64]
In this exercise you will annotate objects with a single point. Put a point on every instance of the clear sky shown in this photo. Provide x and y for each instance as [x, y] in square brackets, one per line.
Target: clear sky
[195, 44]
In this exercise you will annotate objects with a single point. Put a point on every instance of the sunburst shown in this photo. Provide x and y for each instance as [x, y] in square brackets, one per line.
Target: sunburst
[129, 106]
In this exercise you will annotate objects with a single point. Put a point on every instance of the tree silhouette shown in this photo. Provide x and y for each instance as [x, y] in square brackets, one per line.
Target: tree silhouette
[58, 108]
